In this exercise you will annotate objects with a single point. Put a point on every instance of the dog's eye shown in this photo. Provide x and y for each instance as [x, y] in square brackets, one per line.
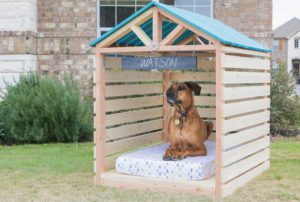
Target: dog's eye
[181, 88]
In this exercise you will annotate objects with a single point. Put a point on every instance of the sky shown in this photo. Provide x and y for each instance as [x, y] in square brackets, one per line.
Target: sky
[284, 10]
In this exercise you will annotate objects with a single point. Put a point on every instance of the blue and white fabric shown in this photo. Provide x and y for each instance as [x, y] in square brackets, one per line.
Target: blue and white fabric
[148, 162]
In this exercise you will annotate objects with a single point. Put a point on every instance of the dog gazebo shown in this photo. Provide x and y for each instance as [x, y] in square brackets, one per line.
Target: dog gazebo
[130, 107]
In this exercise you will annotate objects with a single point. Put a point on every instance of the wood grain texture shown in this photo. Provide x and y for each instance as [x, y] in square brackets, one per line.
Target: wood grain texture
[233, 61]
[236, 108]
[134, 89]
[244, 165]
[122, 181]
[242, 151]
[244, 121]
[132, 76]
[233, 77]
[133, 103]
[133, 116]
[133, 129]
[132, 142]
[235, 93]
[243, 136]
[230, 187]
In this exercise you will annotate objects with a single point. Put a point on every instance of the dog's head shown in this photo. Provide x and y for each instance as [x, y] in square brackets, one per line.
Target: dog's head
[182, 93]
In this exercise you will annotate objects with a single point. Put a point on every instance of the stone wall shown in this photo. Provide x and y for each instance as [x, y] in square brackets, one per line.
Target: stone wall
[251, 17]
[65, 29]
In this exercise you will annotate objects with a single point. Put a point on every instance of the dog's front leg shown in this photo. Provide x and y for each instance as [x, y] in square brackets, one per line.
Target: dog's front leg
[169, 154]
[191, 151]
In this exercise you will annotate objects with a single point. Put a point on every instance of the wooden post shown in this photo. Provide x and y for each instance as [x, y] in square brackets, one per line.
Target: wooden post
[219, 120]
[157, 26]
[99, 122]
[166, 107]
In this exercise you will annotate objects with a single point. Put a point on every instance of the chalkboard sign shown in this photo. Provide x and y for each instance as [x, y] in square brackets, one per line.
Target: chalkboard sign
[148, 63]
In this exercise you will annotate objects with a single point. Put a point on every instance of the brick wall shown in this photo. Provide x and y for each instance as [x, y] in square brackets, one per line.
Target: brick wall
[251, 17]
[64, 30]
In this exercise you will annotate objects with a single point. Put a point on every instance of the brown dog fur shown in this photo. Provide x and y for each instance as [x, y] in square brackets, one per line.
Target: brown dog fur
[190, 141]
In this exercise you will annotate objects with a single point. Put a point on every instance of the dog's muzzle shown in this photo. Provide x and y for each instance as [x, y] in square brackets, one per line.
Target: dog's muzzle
[171, 99]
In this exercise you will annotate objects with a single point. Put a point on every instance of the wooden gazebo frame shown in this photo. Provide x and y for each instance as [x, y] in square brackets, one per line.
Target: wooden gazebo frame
[240, 106]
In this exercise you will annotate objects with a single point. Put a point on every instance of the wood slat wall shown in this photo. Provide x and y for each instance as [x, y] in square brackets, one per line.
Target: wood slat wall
[245, 117]
[134, 102]
[133, 109]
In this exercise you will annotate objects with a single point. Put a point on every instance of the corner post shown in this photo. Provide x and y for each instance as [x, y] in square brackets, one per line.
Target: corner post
[219, 120]
[99, 119]
[166, 107]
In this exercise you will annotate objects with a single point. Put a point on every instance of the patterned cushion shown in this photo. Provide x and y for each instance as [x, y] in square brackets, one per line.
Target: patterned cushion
[148, 162]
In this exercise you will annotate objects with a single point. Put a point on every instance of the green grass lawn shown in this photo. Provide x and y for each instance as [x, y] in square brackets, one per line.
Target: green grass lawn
[63, 172]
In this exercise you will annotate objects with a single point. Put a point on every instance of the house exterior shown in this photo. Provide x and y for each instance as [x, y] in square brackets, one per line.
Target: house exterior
[53, 36]
[287, 47]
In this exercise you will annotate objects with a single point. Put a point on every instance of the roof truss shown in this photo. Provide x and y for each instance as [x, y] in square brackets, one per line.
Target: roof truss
[192, 42]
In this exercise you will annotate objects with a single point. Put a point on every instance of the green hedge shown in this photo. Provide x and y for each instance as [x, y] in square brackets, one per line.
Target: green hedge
[43, 109]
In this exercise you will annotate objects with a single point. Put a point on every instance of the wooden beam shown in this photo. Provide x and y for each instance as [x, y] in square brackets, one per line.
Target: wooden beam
[157, 26]
[219, 120]
[175, 33]
[125, 29]
[137, 49]
[99, 120]
[142, 35]
[187, 26]
[199, 40]
[187, 48]
[166, 106]
[187, 40]
[141, 49]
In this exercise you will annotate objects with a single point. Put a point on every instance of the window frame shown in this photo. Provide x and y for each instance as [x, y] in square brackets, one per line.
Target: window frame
[296, 42]
[101, 29]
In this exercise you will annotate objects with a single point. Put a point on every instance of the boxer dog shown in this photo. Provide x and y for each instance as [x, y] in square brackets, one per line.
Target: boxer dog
[187, 131]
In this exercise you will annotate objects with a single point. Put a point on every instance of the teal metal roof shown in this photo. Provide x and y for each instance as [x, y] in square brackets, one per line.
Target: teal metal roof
[210, 26]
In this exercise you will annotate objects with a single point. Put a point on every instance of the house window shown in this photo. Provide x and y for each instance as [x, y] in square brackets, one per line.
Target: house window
[112, 12]
[296, 43]
[203, 7]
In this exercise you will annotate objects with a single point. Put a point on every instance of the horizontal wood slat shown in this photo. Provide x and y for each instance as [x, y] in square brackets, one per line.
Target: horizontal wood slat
[242, 151]
[123, 181]
[232, 61]
[208, 89]
[243, 136]
[133, 116]
[132, 142]
[205, 100]
[133, 103]
[136, 89]
[233, 50]
[242, 180]
[133, 129]
[206, 64]
[244, 165]
[132, 76]
[207, 112]
[235, 108]
[245, 121]
[234, 93]
[234, 77]
[193, 76]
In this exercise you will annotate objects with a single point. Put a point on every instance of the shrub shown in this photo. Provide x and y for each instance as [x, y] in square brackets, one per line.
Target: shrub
[44, 109]
[285, 105]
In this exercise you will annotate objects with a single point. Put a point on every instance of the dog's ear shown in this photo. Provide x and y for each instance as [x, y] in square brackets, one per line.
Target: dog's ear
[194, 86]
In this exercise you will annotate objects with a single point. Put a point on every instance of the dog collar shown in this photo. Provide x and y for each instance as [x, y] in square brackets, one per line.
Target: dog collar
[185, 114]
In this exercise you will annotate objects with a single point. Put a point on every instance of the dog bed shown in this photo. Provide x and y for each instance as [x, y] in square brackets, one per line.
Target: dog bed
[148, 162]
